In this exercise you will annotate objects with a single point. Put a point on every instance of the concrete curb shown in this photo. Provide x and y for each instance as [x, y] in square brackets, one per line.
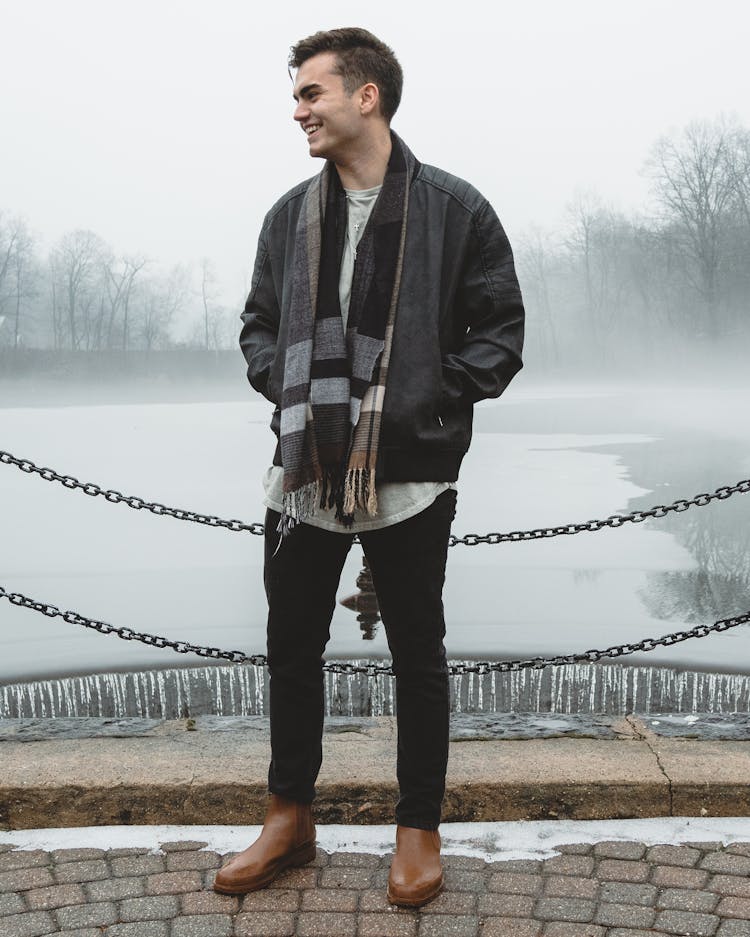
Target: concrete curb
[176, 775]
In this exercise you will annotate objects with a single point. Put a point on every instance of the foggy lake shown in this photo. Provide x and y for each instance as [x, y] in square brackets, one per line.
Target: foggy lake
[541, 456]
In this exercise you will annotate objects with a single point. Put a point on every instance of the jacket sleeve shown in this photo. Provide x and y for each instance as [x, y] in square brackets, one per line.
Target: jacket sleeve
[490, 310]
[261, 319]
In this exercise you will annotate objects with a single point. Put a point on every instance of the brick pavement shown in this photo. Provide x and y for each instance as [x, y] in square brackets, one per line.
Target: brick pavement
[610, 889]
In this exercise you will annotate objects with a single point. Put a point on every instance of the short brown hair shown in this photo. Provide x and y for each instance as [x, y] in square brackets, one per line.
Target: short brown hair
[360, 57]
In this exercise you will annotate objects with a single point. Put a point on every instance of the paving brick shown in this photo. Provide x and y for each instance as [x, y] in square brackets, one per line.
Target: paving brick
[209, 902]
[322, 859]
[733, 929]
[184, 861]
[298, 878]
[140, 929]
[706, 847]
[25, 879]
[188, 845]
[354, 860]
[324, 924]
[726, 864]
[87, 915]
[345, 878]
[515, 883]
[115, 889]
[561, 929]
[575, 849]
[568, 886]
[124, 851]
[684, 922]
[33, 924]
[619, 850]
[683, 899]
[734, 907]
[148, 909]
[23, 859]
[203, 925]
[622, 870]
[7, 847]
[264, 924]
[624, 915]
[510, 927]
[76, 855]
[627, 932]
[173, 883]
[468, 863]
[569, 865]
[628, 893]
[461, 880]
[669, 876]
[729, 885]
[530, 866]
[673, 855]
[330, 899]
[92, 871]
[460, 902]
[56, 896]
[374, 899]
[129, 866]
[441, 925]
[504, 905]
[386, 925]
[11, 903]
[564, 909]
[738, 849]
[271, 899]
[82, 932]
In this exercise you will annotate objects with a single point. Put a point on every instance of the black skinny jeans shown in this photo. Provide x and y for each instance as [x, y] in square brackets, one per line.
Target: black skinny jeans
[301, 578]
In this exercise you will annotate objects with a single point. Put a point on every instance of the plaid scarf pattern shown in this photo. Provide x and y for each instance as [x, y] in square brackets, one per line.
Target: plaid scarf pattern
[335, 382]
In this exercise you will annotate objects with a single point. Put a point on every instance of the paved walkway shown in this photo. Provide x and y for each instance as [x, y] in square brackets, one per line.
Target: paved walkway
[610, 889]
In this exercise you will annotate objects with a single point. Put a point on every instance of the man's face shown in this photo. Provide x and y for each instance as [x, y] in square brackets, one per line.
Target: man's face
[329, 117]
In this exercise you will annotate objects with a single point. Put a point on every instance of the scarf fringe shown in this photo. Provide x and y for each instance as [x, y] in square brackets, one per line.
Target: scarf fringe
[360, 492]
[297, 506]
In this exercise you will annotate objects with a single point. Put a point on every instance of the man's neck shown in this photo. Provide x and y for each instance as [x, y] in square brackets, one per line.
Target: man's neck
[366, 168]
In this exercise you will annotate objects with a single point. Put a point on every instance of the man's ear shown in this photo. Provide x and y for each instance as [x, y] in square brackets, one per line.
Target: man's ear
[369, 98]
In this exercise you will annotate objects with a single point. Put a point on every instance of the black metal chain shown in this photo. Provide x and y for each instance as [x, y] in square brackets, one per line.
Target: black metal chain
[374, 669]
[468, 540]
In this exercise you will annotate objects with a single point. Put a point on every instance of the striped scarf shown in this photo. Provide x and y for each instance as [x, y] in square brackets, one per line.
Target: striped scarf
[334, 383]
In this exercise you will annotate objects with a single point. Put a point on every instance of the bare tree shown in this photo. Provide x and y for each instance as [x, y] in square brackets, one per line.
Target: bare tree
[78, 262]
[695, 183]
[120, 278]
[208, 289]
[160, 299]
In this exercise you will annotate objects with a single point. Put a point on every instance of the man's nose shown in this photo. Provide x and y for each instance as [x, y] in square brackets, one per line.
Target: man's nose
[302, 111]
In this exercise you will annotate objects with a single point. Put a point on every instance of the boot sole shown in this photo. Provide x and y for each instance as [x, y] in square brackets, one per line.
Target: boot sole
[415, 902]
[300, 856]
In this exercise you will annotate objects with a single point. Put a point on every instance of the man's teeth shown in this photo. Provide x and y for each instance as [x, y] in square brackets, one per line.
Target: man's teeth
[309, 130]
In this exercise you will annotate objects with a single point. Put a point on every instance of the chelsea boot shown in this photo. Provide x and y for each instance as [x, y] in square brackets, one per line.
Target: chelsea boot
[287, 839]
[416, 875]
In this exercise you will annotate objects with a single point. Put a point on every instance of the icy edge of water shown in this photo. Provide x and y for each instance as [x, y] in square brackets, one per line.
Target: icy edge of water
[488, 841]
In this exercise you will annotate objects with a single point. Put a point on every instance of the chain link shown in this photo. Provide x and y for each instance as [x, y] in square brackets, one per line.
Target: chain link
[375, 669]
[468, 540]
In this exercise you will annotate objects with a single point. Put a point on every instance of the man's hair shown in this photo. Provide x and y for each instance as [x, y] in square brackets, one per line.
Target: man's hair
[360, 58]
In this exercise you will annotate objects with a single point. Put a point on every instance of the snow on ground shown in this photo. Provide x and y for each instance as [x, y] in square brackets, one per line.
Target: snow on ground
[488, 841]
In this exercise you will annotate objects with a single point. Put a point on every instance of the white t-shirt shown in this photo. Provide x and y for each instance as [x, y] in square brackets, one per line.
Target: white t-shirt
[397, 501]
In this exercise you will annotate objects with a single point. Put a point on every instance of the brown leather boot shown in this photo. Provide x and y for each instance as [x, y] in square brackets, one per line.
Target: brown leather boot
[416, 875]
[287, 839]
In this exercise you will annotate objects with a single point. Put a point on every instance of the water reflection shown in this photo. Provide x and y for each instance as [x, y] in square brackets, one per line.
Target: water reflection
[364, 602]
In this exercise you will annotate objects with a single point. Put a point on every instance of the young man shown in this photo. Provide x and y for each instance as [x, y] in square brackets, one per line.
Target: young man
[384, 304]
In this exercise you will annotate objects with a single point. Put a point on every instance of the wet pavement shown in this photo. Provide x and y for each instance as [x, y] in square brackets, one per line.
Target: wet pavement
[606, 889]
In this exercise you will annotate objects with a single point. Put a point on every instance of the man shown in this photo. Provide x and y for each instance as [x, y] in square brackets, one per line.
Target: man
[384, 304]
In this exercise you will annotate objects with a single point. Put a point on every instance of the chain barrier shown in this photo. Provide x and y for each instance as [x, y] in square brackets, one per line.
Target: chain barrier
[374, 669]
[468, 540]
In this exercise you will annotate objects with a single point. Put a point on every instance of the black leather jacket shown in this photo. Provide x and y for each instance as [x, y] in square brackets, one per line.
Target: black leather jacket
[459, 323]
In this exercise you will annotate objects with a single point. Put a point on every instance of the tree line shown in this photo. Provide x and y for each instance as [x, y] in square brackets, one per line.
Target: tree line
[606, 288]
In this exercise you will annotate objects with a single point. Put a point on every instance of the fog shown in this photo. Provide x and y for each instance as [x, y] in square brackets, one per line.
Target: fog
[147, 145]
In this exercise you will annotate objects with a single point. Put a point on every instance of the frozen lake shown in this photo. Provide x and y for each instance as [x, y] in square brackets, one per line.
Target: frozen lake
[541, 456]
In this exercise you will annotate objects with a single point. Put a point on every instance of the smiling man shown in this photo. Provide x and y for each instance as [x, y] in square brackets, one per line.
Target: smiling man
[384, 304]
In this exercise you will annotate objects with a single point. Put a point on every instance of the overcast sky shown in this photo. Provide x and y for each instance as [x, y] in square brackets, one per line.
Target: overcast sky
[166, 126]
